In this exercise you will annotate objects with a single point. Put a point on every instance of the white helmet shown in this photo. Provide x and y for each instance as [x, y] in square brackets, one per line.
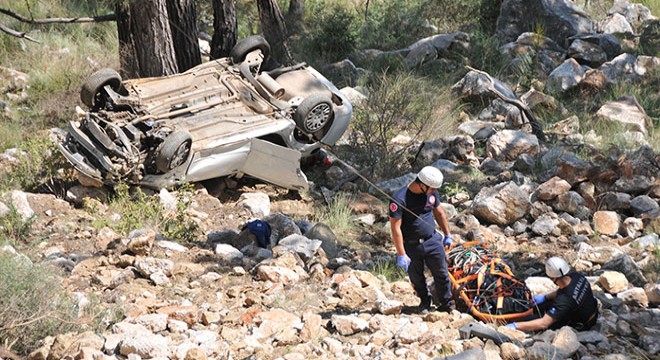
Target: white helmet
[431, 177]
[556, 267]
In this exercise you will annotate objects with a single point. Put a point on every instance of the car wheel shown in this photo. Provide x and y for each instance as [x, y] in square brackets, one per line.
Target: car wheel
[96, 82]
[173, 151]
[246, 46]
[313, 113]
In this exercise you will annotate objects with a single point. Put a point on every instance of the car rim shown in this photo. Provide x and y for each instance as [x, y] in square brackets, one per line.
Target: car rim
[318, 117]
[181, 155]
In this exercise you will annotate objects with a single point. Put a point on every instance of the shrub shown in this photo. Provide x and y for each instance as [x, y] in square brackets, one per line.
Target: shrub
[387, 267]
[178, 225]
[398, 104]
[136, 209]
[331, 33]
[394, 24]
[338, 216]
[32, 304]
[450, 15]
[13, 228]
[37, 168]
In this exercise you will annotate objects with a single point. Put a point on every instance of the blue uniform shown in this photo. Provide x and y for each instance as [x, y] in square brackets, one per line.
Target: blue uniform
[423, 245]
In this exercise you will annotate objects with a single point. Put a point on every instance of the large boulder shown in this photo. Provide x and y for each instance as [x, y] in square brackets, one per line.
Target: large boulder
[477, 85]
[433, 47]
[587, 53]
[502, 204]
[498, 110]
[626, 111]
[392, 185]
[281, 226]
[621, 68]
[560, 19]
[509, 144]
[565, 77]
[328, 239]
[608, 42]
[634, 13]
[615, 24]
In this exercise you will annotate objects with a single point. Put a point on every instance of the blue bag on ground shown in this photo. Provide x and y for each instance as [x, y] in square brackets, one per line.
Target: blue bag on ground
[261, 230]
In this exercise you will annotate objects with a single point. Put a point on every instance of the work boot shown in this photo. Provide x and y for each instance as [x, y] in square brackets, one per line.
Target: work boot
[424, 306]
[449, 306]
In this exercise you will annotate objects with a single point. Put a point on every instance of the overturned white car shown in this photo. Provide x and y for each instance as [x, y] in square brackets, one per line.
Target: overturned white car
[224, 117]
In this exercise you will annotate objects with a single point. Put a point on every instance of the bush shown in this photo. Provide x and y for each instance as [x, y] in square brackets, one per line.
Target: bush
[450, 15]
[331, 34]
[32, 304]
[178, 225]
[398, 104]
[13, 228]
[138, 210]
[37, 168]
[338, 216]
[394, 24]
[387, 267]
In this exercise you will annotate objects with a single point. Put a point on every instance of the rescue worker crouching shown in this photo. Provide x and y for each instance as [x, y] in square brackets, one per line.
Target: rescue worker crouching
[412, 212]
[573, 304]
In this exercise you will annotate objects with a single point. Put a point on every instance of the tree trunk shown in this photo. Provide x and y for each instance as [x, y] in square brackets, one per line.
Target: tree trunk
[183, 22]
[294, 17]
[274, 30]
[225, 28]
[145, 39]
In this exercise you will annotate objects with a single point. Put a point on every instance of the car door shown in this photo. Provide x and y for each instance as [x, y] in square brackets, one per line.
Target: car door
[275, 164]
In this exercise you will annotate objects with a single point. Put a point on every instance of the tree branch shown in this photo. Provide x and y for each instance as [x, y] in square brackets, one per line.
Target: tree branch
[17, 34]
[109, 17]
[537, 129]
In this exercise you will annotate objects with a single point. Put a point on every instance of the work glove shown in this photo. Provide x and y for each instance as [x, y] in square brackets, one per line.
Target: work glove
[448, 241]
[512, 326]
[402, 261]
[539, 299]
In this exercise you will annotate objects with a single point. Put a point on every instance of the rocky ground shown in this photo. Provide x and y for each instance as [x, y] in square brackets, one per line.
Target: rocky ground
[312, 295]
[309, 296]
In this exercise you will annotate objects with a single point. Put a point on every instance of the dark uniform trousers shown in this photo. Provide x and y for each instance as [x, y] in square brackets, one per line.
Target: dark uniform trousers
[431, 253]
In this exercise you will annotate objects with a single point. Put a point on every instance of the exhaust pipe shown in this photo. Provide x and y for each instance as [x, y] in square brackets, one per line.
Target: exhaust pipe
[271, 85]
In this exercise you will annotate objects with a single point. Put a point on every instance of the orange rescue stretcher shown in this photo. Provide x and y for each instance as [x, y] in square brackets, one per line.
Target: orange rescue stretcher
[484, 285]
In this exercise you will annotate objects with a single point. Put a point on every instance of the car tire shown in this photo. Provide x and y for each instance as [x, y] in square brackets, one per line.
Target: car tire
[247, 45]
[314, 113]
[174, 151]
[96, 82]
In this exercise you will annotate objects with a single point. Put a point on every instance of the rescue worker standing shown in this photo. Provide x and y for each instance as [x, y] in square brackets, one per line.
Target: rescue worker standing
[573, 304]
[416, 241]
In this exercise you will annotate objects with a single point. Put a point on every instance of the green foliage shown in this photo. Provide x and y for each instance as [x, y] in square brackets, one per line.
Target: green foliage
[607, 133]
[338, 216]
[652, 268]
[54, 69]
[485, 55]
[33, 305]
[450, 189]
[331, 33]
[394, 24]
[399, 103]
[100, 316]
[136, 210]
[178, 225]
[13, 228]
[36, 168]
[387, 267]
[451, 15]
